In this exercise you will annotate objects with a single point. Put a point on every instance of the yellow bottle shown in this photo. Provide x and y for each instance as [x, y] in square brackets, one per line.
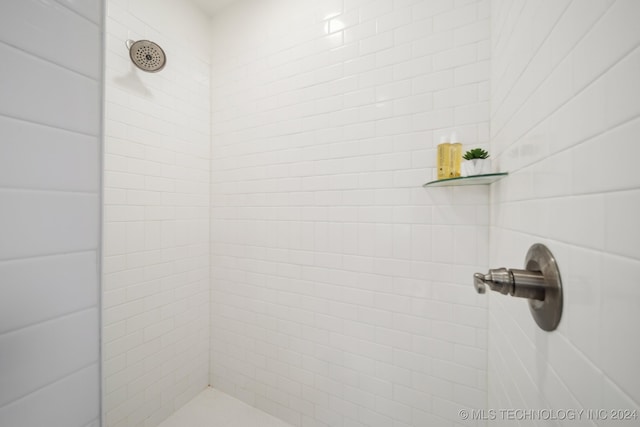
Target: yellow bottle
[455, 159]
[444, 158]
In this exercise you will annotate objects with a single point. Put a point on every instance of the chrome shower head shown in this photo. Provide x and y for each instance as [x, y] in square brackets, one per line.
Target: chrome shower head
[147, 55]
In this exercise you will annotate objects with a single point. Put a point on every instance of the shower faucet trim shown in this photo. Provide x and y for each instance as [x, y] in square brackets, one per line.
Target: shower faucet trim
[539, 282]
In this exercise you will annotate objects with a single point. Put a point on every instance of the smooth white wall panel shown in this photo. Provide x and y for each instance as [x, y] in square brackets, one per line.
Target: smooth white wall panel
[68, 402]
[68, 104]
[43, 148]
[28, 25]
[39, 289]
[90, 9]
[565, 101]
[41, 354]
[50, 156]
[38, 223]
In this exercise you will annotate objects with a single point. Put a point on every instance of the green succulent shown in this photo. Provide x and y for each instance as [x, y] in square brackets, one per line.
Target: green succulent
[476, 153]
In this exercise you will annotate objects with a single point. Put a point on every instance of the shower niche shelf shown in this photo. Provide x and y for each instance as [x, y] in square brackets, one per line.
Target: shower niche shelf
[467, 180]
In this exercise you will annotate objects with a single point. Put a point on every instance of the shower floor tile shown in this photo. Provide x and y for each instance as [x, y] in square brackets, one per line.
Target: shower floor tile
[213, 408]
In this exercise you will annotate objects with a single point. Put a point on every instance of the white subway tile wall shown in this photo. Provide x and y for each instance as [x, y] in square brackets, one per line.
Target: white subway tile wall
[565, 120]
[50, 151]
[341, 292]
[156, 214]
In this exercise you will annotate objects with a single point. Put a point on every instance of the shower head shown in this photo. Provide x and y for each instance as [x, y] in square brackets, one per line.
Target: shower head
[147, 55]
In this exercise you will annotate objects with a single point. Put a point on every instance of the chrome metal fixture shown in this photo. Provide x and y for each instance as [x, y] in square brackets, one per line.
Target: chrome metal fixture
[539, 282]
[146, 55]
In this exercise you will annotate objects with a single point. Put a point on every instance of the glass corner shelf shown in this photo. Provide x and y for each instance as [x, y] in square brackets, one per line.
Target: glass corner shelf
[467, 180]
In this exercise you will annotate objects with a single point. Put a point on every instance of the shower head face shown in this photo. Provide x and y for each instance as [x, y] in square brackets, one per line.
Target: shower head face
[147, 55]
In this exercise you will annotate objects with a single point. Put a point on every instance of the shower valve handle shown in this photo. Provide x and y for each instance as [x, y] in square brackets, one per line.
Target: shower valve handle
[539, 282]
[514, 282]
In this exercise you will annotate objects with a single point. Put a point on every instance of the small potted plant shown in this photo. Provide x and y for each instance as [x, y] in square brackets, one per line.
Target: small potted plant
[476, 162]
